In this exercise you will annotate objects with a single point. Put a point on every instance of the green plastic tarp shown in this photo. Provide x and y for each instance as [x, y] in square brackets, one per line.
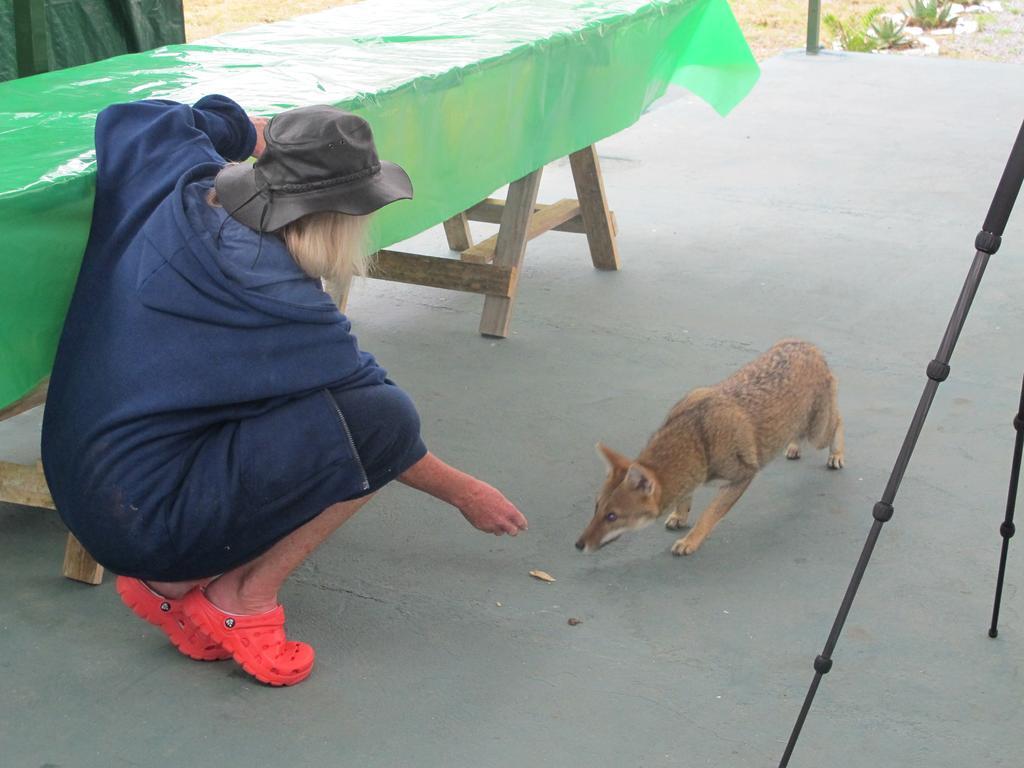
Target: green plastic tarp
[467, 95]
[81, 31]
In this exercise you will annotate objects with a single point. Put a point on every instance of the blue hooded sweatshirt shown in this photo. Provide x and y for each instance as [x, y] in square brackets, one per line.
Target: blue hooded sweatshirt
[188, 423]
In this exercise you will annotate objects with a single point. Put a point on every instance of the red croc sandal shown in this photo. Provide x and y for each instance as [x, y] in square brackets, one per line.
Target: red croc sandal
[169, 617]
[257, 643]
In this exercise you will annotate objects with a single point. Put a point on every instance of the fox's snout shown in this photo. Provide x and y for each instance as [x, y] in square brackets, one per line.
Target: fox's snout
[597, 536]
[597, 533]
[628, 501]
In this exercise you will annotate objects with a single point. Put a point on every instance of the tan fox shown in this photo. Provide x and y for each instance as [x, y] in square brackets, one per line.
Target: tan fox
[723, 434]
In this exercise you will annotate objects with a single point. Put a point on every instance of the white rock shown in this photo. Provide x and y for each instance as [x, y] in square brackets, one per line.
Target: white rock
[993, 6]
[914, 52]
[976, 9]
[942, 32]
[955, 9]
[966, 26]
[913, 31]
[929, 46]
[896, 17]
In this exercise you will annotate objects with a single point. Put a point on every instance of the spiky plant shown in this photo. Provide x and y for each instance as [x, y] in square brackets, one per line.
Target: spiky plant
[929, 14]
[852, 33]
[888, 33]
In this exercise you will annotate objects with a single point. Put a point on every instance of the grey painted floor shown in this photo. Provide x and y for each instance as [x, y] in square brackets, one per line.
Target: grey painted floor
[838, 203]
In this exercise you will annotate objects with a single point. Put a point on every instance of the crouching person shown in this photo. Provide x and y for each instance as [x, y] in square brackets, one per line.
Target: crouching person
[210, 418]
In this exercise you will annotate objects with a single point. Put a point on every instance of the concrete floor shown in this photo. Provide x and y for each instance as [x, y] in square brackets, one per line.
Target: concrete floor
[838, 203]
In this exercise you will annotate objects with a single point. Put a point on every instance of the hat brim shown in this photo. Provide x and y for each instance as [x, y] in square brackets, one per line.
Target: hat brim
[238, 193]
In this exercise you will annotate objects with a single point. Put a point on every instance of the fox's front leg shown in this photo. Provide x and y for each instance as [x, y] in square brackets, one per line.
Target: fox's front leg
[716, 510]
[679, 515]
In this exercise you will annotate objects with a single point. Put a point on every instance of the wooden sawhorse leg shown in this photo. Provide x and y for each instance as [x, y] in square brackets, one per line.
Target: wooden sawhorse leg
[597, 219]
[456, 229]
[338, 290]
[79, 565]
[492, 266]
[510, 249]
[26, 485]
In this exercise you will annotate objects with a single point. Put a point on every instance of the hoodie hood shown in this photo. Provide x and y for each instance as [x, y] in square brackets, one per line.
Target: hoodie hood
[224, 273]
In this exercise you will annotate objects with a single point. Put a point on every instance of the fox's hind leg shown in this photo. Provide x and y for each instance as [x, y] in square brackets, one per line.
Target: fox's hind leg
[828, 427]
[836, 457]
[793, 450]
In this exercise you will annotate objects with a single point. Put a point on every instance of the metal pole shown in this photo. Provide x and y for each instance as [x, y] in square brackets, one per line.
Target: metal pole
[31, 37]
[986, 244]
[813, 26]
[1007, 529]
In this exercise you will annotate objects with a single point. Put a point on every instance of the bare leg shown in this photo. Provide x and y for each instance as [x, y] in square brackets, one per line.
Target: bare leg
[679, 515]
[721, 504]
[175, 590]
[253, 587]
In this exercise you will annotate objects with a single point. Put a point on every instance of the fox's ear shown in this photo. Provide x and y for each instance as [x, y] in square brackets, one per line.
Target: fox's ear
[641, 479]
[612, 459]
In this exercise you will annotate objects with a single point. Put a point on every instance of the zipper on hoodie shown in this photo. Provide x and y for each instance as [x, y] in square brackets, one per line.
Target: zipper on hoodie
[348, 434]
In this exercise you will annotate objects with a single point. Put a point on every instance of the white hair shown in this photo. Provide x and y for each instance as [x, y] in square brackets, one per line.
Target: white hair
[327, 245]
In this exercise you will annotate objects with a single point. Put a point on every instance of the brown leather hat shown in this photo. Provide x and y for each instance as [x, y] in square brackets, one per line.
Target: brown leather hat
[317, 159]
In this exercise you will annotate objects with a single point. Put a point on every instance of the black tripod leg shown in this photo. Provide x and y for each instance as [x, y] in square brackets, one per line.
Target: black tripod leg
[986, 243]
[1007, 529]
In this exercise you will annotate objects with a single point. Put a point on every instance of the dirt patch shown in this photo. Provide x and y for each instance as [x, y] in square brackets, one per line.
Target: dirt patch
[205, 18]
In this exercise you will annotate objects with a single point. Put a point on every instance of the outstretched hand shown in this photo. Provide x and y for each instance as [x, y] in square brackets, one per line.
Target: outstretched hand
[481, 504]
[488, 510]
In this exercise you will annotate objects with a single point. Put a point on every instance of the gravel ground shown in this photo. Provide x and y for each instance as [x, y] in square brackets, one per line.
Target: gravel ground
[773, 26]
[1000, 37]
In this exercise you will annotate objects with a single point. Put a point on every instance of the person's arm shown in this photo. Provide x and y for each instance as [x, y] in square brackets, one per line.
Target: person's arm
[481, 504]
[152, 133]
[144, 147]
